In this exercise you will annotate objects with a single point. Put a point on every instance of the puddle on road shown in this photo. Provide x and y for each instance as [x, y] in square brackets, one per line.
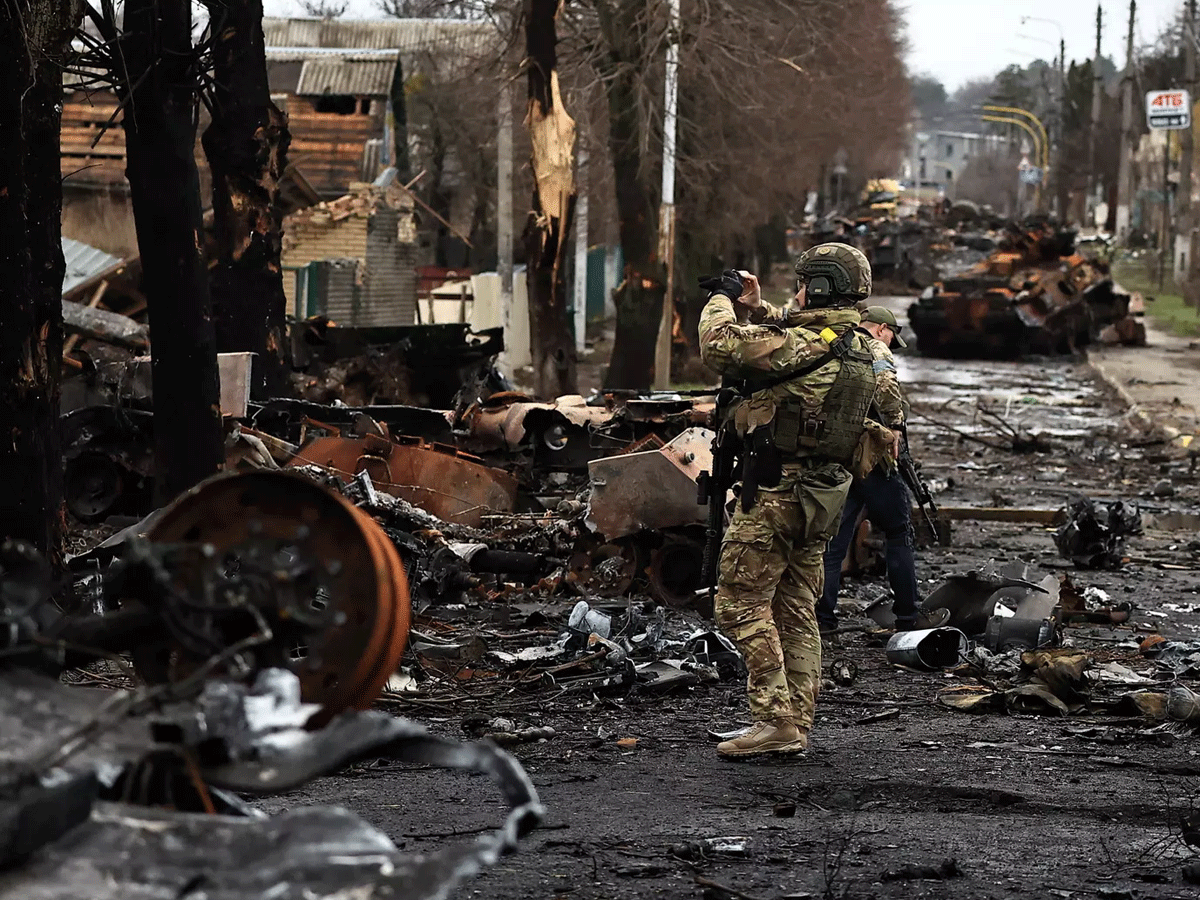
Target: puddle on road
[1056, 397]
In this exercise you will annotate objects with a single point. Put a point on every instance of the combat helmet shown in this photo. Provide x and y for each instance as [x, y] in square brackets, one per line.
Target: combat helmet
[836, 274]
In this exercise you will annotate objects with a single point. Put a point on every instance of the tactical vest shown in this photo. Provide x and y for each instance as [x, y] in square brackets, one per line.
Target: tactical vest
[831, 431]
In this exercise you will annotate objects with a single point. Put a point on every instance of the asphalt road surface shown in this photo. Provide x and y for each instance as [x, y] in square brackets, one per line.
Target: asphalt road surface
[894, 785]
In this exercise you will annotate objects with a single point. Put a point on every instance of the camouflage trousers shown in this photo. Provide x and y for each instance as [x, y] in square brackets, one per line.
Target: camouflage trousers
[770, 576]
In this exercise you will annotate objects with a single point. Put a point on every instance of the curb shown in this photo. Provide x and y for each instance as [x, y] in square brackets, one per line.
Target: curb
[1173, 436]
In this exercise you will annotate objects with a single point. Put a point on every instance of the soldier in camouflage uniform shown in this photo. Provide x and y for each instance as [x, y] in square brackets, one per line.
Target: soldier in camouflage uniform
[808, 381]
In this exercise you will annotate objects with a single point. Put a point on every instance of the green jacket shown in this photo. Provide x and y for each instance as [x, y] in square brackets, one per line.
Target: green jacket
[889, 399]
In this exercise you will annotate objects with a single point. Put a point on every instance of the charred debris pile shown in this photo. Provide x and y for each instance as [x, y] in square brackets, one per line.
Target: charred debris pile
[1034, 294]
[418, 535]
[261, 614]
[990, 288]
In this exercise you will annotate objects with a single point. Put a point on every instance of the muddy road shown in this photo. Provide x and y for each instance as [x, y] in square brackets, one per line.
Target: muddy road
[898, 796]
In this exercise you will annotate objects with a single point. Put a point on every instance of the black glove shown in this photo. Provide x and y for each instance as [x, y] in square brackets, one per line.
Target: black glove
[728, 283]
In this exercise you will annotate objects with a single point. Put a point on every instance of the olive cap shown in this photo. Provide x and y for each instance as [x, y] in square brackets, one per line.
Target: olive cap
[881, 315]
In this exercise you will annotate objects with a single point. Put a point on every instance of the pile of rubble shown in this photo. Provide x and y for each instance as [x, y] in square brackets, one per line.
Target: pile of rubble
[618, 471]
[262, 613]
[1023, 644]
[991, 289]
[1035, 294]
[912, 252]
[263, 609]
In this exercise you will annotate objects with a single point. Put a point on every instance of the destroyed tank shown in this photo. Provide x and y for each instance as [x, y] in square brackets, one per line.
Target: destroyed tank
[1033, 295]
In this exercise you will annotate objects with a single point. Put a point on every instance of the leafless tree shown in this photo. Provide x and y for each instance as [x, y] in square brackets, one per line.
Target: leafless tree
[432, 9]
[991, 178]
[148, 57]
[552, 135]
[324, 9]
[34, 37]
[246, 146]
[769, 91]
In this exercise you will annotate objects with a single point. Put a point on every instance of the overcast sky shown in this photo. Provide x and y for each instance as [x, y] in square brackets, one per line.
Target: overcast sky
[958, 40]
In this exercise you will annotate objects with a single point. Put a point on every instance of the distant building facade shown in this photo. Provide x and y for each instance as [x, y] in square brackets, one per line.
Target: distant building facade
[938, 157]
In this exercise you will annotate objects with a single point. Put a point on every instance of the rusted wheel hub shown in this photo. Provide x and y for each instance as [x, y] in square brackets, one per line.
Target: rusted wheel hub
[319, 570]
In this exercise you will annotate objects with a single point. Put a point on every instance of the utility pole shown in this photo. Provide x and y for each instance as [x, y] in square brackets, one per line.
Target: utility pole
[504, 219]
[581, 248]
[1184, 206]
[1185, 254]
[1061, 199]
[666, 218]
[1165, 238]
[1125, 183]
[1094, 136]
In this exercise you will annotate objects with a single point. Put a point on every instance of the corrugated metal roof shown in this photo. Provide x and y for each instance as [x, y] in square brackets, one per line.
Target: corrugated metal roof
[301, 54]
[83, 262]
[382, 34]
[359, 77]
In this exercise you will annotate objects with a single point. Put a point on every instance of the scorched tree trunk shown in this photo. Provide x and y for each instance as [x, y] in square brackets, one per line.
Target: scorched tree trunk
[33, 37]
[639, 296]
[246, 145]
[552, 135]
[160, 137]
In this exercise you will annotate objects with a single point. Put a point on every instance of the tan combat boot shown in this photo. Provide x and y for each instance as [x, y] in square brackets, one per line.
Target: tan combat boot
[776, 736]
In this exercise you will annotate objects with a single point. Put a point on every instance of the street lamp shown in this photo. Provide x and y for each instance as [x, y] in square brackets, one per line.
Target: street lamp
[1053, 22]
[1062, 47]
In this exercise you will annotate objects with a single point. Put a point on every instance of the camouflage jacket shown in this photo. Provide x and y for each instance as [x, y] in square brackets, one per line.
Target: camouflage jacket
[778, 344]
[774, 343]
[889, 399]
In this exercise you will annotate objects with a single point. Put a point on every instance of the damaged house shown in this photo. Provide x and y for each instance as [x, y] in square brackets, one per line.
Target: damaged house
[365, 95]
[353, 259]
[337, 81]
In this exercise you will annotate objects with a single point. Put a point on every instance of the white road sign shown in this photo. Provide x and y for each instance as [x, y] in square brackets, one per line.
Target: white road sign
[1031, 175]
[1168, 110]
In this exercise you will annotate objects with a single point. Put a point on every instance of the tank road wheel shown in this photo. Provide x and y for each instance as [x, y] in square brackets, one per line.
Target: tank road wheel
[320, 571]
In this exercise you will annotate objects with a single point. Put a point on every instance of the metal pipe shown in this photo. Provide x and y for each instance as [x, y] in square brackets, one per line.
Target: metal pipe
[1045, 156]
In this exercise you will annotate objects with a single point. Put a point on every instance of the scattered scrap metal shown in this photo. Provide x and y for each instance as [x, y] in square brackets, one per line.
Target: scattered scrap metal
[1017, 645]
[259, 636]
[1095, 539]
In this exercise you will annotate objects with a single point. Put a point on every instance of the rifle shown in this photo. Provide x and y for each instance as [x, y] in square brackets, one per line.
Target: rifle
[920, 490]
[713, 487]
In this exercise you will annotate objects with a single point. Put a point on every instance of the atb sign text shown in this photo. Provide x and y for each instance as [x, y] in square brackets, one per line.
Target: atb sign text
[1168, 110]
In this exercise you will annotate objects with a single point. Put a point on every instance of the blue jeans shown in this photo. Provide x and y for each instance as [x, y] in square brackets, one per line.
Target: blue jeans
[889, 508]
